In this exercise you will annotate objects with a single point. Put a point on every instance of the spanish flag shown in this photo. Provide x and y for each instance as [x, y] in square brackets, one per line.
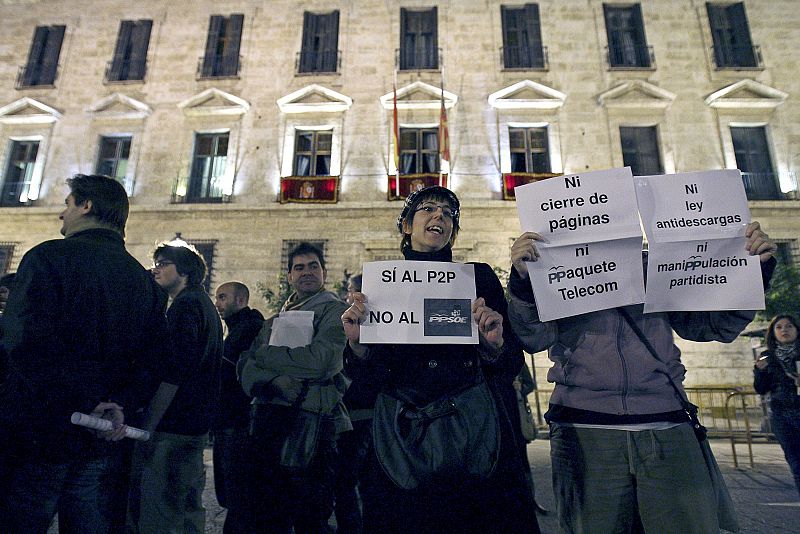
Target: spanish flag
[444, 135]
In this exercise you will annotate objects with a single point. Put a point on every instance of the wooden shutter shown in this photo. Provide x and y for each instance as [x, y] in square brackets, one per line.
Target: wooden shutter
[533, 27]
[231, 54]
[52, 51]
[331, 45]
[35, 55]
[433, 47]
[140, 43]
[307, 52]
[406, 55]
[118, 67]
[209, 60]
[741, 44]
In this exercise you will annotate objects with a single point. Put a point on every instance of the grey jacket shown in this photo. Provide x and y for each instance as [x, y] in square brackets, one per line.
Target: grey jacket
[600, 364]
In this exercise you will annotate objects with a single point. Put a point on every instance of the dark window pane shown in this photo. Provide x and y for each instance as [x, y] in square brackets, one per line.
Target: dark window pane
[430, 140]
[640, 150]
[408, 139]
[418, 39]
[323, 165]
[17, 178]
[516, 138]
[304, 141]
[518, 162]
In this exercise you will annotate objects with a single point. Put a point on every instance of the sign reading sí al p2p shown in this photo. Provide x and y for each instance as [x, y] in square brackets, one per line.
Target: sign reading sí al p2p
[419, 302]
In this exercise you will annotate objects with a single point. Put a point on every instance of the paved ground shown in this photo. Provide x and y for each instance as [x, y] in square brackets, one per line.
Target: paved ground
[765, 496]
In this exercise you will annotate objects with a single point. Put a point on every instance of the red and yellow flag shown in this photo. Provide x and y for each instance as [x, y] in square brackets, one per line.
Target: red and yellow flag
[444, 134]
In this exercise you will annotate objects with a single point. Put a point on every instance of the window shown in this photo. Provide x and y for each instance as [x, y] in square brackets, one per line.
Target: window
[222, 47]
[753, 159]
[19, 171]
[788, 252]
[130, 54]
[731, 35]
[6, 253]
[312, 153]
[208, 167]
[113, 158]
[418, 40]
[419, 150]
[42, 65]
[522, 37]
[627, 45]
[640, 150]
[206, 249]
[320, 42]
[529, 150]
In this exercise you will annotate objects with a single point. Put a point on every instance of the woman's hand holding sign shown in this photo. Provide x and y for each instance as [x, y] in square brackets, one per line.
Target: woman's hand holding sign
[352, 319]
[524, 250]
[490, 325]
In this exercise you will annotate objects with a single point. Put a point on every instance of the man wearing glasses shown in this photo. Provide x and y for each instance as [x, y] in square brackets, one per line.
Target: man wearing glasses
[168, 473]
[82, 330]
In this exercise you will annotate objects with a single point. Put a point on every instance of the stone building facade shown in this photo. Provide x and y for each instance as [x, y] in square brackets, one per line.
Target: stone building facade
[245, 126]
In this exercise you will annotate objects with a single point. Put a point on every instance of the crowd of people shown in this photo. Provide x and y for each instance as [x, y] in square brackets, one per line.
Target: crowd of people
[391, 438]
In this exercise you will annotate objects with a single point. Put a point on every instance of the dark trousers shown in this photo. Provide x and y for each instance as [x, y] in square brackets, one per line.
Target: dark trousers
[353, 448]
[786, 426]
[82, 492]
[283, 498]
[231, 471]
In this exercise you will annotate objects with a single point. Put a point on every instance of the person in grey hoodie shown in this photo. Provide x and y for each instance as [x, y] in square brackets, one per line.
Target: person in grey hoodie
[624, 458]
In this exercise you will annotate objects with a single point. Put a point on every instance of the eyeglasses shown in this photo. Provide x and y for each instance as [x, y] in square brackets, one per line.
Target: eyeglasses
[161, 264]
[447, 211]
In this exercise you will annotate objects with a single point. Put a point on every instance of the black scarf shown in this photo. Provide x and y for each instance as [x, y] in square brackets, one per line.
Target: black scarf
[443, 254]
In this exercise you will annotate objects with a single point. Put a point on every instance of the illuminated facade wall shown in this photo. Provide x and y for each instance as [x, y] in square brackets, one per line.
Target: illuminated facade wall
[205, 110]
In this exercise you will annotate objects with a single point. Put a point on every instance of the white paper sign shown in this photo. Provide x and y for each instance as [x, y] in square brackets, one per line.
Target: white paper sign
[579, 279]
[692, 205]
[292, 329]
[419, 302]
[717, 274]
[580, 208]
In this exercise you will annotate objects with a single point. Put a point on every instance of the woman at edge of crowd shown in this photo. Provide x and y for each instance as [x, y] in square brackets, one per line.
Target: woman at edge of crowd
[776, 373]
[503, 503]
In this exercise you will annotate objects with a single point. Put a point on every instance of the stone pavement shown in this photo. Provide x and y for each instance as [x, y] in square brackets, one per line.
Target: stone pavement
[765, 496]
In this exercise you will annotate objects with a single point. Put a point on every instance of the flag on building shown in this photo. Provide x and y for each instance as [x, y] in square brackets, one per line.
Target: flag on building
[444, 135]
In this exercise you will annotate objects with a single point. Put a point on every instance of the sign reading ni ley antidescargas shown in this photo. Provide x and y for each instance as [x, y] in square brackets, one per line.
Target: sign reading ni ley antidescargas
[419, 302]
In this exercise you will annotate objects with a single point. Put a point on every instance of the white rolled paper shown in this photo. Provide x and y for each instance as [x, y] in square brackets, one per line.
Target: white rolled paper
[95, 423]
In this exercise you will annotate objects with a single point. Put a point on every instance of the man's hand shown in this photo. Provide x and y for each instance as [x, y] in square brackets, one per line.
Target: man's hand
[524, 249]
[352, 319]
[287, 387]
[490, 324]
[113, 412]
[759, 242]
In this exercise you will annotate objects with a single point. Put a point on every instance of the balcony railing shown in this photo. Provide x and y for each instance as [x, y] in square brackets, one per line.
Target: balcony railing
[312, 62]
[524, 58]
[218, 67]
[516, 179]
[125, 71]
[737, 57]
[762, 186]
[418, 59]
[37, 76]
[632, 57]
[309, 189]
[402, 185]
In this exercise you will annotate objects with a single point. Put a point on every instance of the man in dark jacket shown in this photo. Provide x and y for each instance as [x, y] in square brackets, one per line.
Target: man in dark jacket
[169, 476]
[232, 420]
[81, 331]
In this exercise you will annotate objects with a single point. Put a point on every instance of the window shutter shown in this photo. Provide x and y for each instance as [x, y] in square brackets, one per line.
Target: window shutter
[743, 55]
[117, 69]
[51, 53]
[434, 45]
[307, 51]
[140, 44]
[331, 45]
[35, 55]
[406, 55]
[534, 31]
[642, 54]
[507, 16]
[717, 22]
[214, 27]
[231, 57]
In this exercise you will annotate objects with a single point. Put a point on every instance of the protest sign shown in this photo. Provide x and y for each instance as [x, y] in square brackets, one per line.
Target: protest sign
[580, 208]
[578, 279]
[692, 205]
[419, 302]
[715, 274]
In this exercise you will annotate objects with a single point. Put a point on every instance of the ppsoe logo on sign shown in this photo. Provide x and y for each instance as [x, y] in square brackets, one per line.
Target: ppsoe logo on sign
[448, 317]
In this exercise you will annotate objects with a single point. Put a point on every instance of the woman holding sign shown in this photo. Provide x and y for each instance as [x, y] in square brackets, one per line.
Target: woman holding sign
[445, 456]
[776, 373]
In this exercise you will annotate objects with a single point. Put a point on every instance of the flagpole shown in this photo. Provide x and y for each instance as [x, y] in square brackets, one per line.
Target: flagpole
[441, 112]
[396, 135]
